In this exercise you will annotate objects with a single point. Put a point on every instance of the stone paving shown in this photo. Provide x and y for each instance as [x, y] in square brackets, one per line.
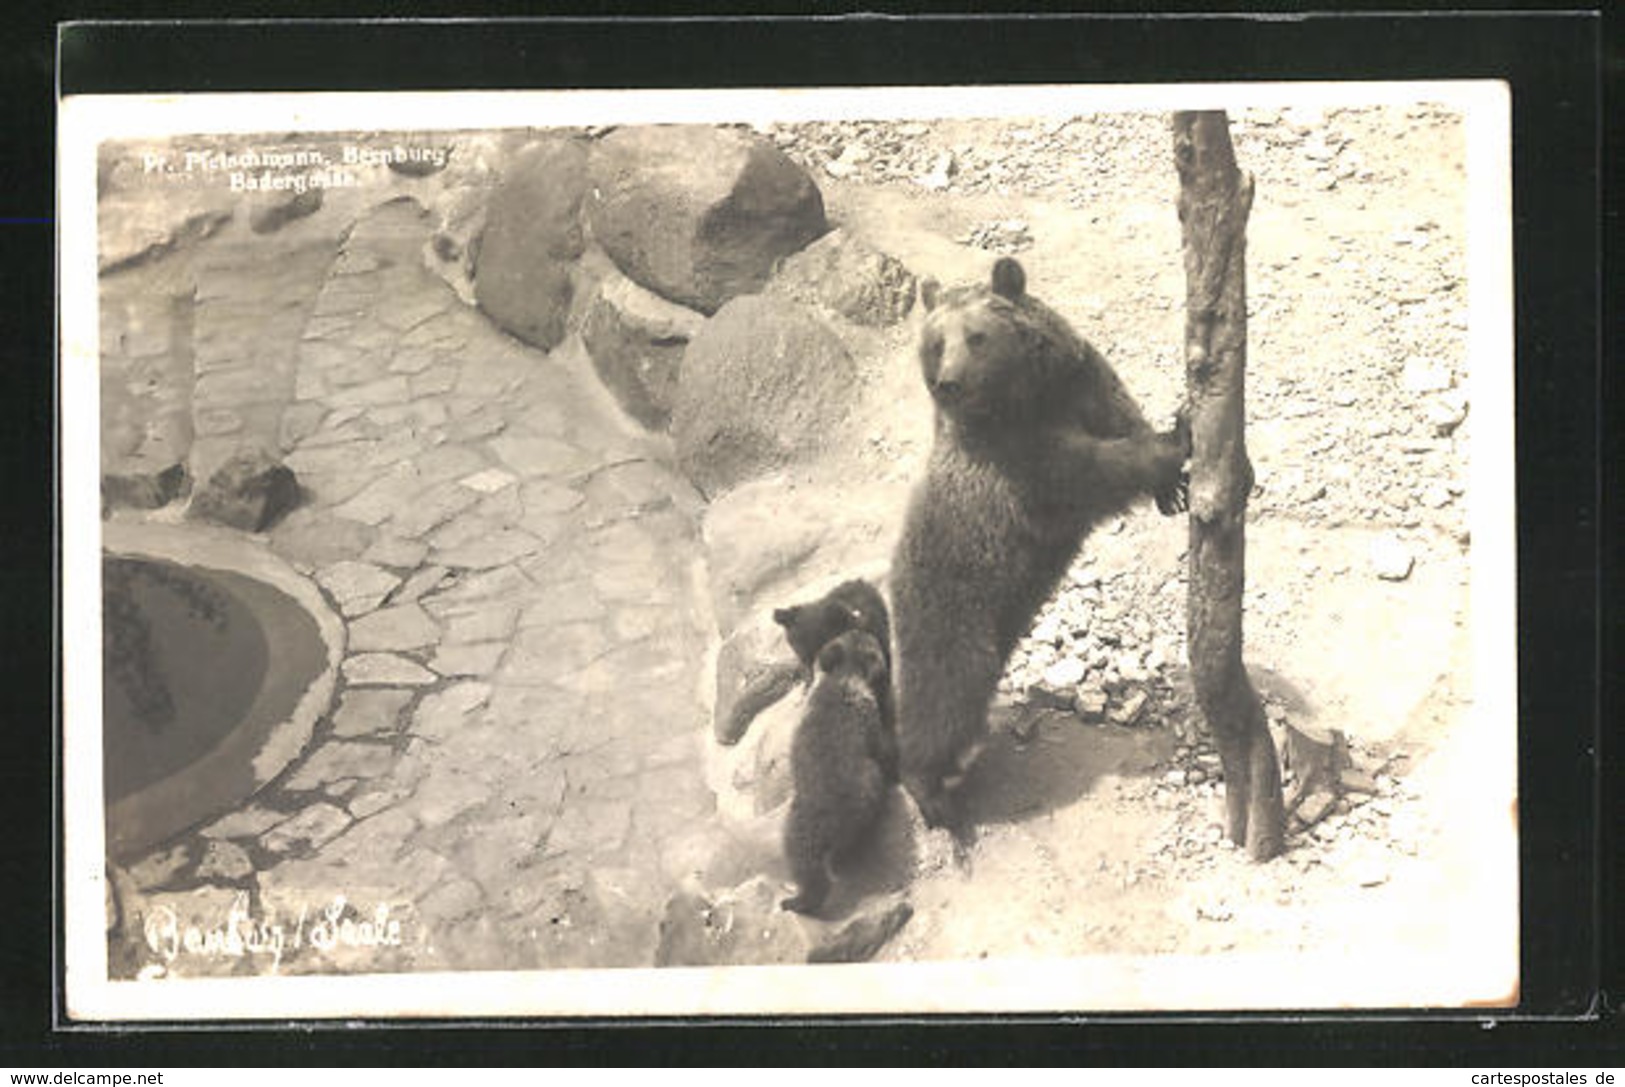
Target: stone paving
[516, 741]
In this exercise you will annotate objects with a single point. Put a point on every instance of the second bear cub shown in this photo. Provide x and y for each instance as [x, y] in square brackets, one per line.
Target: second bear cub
[836, 764]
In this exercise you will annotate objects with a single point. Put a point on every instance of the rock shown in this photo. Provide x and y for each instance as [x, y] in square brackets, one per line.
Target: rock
[860, 938]
[1447, 412]
[223, 860]
[1000, 236]
[137, 229]
[1426, 375]
[1024, 726]
[1064, 673]
[531, 240]
[765, 383]
[755, 668]
[738, 927]
[771, 543]
[699, 215]
[940, 175]
[157, 869]
[636, 340]
[250, 491]
[1090, 703]
[1435, 496]
[1050, 696]
[845, 275]
[271, 212]
[488, 481]
[766, 776]
[1357, 781]
[1128, 711]
[1391, 560]
[1129, 667]
[144, 490]
[1315, 807]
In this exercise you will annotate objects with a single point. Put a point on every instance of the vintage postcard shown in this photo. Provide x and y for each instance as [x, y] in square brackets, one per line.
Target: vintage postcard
[682, 553]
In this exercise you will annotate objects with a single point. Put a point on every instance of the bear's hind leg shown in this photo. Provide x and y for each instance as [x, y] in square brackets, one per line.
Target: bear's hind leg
[807, 849]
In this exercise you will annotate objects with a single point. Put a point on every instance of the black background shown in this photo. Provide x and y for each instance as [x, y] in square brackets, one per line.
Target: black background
[1568, 511]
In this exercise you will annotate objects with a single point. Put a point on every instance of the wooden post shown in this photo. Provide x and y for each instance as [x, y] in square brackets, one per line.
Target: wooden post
[1214, 200]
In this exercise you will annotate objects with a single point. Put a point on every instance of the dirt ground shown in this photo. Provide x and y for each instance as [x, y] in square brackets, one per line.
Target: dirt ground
[1104, 838]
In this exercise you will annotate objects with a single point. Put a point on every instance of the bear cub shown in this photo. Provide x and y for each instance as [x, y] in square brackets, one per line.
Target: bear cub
[836, 764]
[1036, 441]
[851, 605]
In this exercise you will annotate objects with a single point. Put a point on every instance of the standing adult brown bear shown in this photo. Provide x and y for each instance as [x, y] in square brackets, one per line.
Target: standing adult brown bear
[1036, 442]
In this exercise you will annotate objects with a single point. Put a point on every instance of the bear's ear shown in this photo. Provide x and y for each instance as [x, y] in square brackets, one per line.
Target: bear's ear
[785, 616]
[929, 288]
[831, 656]
[1009, 281]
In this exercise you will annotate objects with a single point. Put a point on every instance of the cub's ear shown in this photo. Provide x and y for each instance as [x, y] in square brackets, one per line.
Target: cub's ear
[1009, 281]
[785, 616]
[832, 656]
[929, 291]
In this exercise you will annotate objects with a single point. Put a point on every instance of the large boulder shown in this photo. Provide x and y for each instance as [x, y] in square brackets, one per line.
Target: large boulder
[700, 215]
[764, 383]
[636, 340]
[271, 211]
[755, 669]
[531, 239]
[139, 221]
[851, 278]
[774, 542]
[763, 771]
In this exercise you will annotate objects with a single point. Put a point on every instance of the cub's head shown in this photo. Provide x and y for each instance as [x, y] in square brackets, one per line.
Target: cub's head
[982, 352]
[856, 653]
[852, 605]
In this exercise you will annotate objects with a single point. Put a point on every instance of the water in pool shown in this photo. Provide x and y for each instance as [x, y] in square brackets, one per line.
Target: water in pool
[183, 659]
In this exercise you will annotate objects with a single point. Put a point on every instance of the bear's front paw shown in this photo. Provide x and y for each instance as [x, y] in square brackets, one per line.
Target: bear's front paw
[1175, 498]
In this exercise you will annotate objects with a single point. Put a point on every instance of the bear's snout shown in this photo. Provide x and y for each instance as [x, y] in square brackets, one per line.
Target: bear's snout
[947, 390]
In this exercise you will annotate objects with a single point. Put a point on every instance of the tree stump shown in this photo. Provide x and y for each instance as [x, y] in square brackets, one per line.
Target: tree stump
[1215, 198]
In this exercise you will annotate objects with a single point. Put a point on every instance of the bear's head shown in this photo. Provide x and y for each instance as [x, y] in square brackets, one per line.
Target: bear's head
[1001, 364]
[855, 653]
[983, 355]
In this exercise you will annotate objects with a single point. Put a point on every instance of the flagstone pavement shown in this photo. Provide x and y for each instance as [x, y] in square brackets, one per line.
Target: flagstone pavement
[514, 752]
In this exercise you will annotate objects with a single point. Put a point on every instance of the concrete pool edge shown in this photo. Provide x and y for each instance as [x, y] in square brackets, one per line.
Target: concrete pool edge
[260, 747]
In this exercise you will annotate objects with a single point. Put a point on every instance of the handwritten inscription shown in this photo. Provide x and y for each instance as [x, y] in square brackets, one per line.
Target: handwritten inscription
[239, 934]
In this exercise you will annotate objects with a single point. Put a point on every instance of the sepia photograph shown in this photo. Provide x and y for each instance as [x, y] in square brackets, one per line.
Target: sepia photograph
[885, 552]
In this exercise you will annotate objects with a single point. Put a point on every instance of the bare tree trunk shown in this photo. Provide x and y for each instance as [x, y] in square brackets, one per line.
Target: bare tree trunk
[1214, 201]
